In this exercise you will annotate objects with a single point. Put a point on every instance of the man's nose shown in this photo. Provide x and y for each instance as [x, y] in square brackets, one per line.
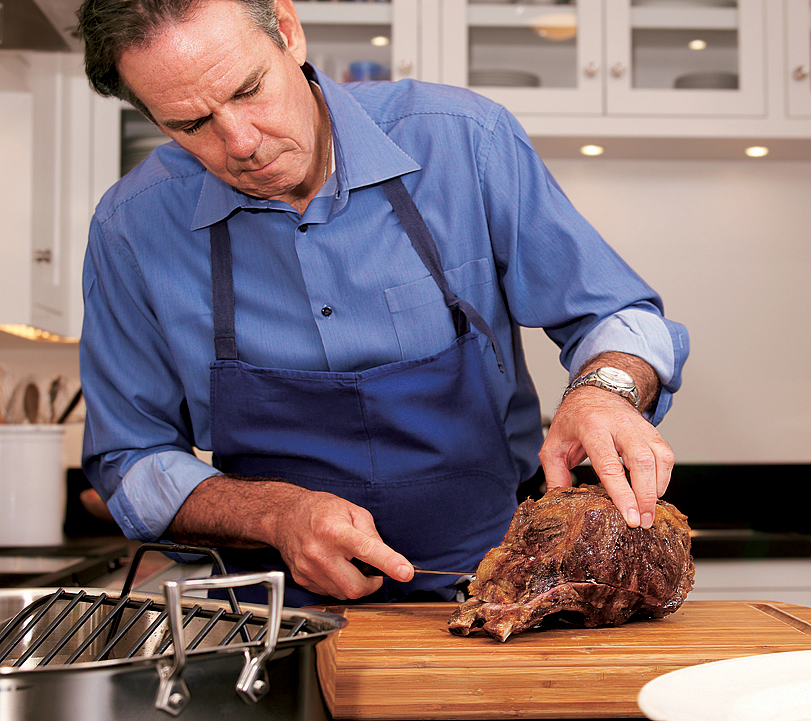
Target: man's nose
[241, 137]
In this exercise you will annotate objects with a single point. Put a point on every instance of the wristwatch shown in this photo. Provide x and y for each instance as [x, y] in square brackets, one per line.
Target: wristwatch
[611, 379]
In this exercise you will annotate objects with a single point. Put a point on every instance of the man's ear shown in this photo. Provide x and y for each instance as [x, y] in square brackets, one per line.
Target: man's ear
[291, 30]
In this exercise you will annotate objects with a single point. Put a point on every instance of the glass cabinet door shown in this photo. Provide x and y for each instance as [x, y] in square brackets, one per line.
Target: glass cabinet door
[798, 36]
[685, 57]
[362, 40]
[540, 56]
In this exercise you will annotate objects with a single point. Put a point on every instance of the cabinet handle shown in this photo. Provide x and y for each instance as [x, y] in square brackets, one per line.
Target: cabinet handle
[618, 70]
[405, 67]
[800, 72]
[591, 70]
[43, 256]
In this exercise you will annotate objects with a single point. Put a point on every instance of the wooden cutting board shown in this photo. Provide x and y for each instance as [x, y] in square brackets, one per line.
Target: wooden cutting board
[398, 661]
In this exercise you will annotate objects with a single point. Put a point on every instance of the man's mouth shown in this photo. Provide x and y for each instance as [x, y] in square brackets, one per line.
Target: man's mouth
[254, 168]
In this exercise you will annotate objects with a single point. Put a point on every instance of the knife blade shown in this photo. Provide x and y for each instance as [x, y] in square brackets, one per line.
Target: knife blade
[368, 570]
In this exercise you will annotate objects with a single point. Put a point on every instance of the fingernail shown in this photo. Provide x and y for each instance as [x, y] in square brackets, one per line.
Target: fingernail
[647, 520]
[403, 572]
[633, 517]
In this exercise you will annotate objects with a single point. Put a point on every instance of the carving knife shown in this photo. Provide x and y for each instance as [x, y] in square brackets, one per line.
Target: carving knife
[369, 570]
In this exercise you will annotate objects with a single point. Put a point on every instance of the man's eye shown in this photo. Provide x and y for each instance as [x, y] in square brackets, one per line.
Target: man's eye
[253, 91]
[192, 129]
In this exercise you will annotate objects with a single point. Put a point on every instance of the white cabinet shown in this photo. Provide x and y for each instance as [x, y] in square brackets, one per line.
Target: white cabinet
[798, 56]
[364, 40]
[532, 58]
[70, 144]
[694, 59]
[609, 57]
[630, 68]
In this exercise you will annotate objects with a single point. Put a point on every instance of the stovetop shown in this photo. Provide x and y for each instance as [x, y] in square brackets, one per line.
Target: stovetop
[77, 562]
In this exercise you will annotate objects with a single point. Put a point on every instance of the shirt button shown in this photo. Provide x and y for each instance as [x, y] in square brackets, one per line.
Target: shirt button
[326, 311]
[303, 228]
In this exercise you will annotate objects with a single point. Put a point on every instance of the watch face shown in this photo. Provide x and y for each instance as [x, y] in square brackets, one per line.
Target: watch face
[616, 376]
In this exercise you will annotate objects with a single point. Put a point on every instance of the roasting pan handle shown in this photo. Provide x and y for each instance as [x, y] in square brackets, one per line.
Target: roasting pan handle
[253, 683]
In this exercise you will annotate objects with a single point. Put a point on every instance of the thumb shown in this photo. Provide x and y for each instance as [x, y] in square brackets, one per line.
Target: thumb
[556, 472]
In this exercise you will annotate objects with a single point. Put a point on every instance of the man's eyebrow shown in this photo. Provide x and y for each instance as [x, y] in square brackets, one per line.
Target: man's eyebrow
[247, 84]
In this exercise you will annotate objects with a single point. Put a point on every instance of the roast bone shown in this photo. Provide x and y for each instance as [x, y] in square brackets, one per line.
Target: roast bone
[572, 554]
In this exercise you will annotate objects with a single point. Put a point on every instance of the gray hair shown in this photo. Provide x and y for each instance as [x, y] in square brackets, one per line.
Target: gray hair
[109, 27]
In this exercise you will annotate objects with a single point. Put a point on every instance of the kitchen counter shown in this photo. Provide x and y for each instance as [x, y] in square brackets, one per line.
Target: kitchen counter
[748, 543]
[77, 562]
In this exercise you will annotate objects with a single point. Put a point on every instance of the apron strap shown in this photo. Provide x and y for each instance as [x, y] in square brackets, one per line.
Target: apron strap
[222, 292]
[414, 225]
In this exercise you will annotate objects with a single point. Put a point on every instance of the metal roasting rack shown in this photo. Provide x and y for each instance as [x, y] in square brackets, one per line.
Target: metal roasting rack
[79, 627]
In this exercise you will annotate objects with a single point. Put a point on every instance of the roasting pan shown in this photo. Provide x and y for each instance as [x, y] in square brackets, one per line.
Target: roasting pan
[68, 654]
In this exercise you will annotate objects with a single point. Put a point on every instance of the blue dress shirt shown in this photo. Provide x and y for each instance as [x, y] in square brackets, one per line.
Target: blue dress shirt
[511, 244]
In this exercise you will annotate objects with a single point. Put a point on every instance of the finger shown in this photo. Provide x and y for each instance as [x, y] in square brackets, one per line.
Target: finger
[608, 466]
[641, 464]
[557, 463]
[649, 463]
[665, 462]
[372, 550]
[556, 473]
[335, 577]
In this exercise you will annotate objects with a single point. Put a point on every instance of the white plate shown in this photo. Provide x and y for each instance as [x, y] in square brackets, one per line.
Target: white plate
[769, 687]
[503, 78]
[687, 3]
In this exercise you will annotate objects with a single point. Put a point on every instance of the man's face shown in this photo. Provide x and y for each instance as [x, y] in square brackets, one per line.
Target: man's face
[226, 93]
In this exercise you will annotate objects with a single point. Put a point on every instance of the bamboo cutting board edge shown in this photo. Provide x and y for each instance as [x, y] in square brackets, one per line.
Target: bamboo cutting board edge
[400, 662]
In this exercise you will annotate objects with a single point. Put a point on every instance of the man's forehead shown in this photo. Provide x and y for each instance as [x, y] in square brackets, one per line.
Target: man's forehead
[204, 48]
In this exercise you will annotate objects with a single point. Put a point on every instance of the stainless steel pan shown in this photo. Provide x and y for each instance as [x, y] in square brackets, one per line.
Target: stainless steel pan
[84, 654]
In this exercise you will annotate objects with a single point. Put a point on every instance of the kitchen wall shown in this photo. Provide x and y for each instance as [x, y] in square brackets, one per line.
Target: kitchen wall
[726, 243]
[728, 246]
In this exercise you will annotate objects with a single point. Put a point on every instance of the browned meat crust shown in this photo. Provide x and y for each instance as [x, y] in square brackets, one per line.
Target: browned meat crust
[572, 553]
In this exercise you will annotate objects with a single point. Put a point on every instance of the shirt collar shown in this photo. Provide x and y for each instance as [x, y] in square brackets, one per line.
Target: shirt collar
[364, 155]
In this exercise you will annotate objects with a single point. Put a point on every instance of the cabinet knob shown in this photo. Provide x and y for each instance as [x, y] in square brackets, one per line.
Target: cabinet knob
[800, 72]
[591, 70]
[618, 70]
[43, 256]
[405, 67]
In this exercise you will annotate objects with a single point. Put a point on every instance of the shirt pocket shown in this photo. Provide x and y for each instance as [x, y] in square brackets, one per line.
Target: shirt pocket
[420, 317]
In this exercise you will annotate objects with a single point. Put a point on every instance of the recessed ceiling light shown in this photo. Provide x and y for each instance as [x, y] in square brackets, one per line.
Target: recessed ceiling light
[757, 151]
[697, 45]
[380, 41]
[557, 26]
[592, 150]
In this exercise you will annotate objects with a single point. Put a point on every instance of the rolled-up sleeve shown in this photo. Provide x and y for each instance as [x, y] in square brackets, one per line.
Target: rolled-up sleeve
[152, 490]
[663, 343]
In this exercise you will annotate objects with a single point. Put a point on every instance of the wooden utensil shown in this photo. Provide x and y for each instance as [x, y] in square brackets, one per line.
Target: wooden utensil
[31, 403]
[53, 394]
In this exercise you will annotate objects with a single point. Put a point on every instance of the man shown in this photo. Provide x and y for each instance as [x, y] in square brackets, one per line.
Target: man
[362, 258]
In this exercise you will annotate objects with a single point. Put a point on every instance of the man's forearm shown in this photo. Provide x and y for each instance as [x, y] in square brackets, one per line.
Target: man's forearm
[234, 512]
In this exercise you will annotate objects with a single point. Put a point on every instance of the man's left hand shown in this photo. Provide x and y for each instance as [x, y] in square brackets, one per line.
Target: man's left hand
[606, 428]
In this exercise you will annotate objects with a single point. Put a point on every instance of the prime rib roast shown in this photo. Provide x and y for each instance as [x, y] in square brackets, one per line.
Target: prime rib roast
[572, 557]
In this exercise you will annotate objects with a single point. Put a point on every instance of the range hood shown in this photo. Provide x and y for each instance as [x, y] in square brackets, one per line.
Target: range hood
[48, 25]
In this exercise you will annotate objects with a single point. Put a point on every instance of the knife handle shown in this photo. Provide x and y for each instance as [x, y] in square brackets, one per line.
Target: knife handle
[365, 568]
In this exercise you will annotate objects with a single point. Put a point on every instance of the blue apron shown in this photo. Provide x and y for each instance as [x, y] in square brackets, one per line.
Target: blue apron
[419, 443]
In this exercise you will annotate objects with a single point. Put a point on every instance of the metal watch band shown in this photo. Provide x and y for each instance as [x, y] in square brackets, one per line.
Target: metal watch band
[593, 378]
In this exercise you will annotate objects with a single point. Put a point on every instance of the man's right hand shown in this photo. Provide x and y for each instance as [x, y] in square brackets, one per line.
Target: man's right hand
[317, 534]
